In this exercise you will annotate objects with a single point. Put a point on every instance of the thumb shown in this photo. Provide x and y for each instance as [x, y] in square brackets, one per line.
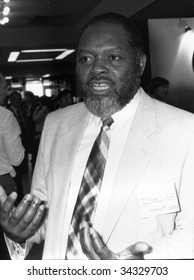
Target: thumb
[140, 247]
[3, 195]
[135, 251]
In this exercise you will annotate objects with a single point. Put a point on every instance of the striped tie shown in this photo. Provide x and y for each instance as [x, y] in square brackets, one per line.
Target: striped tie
[90, 188]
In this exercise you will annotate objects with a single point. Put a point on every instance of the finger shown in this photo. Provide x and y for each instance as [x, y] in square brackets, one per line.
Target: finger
[32, 209]
[141, 247]
[29, 222]
[3, 195]
[99, 247]
[36, 221]
[40, 216]
[30, 213]
[86, 243]
[8, 206]
[135, 251]
[19, 212]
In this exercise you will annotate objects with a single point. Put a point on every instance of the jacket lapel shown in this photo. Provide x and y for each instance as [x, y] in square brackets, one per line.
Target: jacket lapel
[66, 148]
[138, 151]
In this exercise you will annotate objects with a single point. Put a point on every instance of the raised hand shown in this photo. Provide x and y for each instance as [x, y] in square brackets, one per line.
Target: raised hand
[21, 222]
[95, 249]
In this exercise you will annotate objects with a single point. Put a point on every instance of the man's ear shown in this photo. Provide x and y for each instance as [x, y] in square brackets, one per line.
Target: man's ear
[142, 63]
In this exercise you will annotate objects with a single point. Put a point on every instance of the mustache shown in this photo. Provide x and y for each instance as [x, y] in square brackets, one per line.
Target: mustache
[98, 78]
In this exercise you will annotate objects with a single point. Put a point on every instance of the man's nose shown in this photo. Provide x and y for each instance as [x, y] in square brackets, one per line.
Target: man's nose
[99, 66]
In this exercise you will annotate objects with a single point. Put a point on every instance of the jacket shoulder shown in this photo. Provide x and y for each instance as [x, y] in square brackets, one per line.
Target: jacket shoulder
[171, 114]
[62, 119]
[67, 113]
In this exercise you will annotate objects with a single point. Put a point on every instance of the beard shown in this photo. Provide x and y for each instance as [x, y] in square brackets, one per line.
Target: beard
[104, 106]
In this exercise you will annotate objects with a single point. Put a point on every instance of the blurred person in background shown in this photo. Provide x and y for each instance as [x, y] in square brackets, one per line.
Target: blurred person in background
[17, 107]
[11, 155]
[158, 88]
[40, 113]
[64, 98]
[3, 90]
[11, 149]
[30, 103]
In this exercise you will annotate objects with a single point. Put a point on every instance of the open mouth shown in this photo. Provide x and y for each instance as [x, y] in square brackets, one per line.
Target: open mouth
[100, 86]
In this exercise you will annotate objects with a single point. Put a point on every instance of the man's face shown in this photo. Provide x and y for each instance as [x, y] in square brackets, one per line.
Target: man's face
[106, 69]
[161, 92]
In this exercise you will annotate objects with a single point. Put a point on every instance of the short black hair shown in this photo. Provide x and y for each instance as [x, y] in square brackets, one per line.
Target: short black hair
[63, 92]
[133, 32]
[15, 93]
[157, 82]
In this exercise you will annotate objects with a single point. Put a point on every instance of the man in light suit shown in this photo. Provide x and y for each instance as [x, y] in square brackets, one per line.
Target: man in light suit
[145, 207]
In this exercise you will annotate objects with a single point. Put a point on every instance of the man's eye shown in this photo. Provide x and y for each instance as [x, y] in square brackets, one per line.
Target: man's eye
[85, 59]
[115, 57]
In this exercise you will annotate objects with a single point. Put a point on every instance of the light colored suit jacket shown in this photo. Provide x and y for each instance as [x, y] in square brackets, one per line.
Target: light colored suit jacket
[159, 154]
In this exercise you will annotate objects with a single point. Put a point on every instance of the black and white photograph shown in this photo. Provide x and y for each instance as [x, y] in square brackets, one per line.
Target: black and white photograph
[97, 138]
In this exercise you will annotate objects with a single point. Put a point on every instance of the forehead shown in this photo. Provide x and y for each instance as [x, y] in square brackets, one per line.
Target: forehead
[100, 34]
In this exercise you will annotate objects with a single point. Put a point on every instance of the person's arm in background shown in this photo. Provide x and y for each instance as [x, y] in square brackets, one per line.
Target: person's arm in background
[25, 223]
[12, 141]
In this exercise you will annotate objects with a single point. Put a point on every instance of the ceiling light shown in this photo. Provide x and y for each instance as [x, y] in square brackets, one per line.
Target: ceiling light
[4, 11]
[42, 50]
[46, 75]
[64, 54]
[27, 55]
[35, 60]
[4, 20]
[13, 56]
[47, 82]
